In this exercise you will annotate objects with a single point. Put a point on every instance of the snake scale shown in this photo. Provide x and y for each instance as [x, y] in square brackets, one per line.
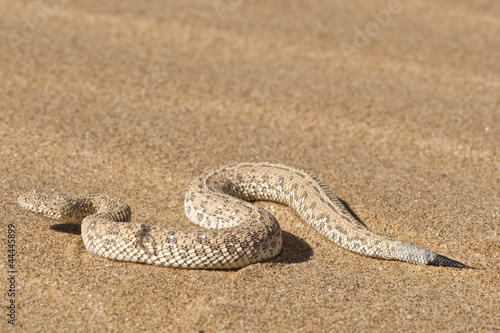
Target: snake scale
[235, 232]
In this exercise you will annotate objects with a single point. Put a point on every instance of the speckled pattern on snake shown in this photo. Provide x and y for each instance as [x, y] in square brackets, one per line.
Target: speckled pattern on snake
[235, 232]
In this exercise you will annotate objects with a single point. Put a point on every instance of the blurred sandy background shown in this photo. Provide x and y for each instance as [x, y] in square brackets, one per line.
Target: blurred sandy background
[393, 104]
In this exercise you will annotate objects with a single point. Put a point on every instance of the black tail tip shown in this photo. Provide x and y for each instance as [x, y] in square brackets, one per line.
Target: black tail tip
[447, 262]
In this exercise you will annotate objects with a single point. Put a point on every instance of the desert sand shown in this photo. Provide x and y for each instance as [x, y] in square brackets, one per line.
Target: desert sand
[393, 104]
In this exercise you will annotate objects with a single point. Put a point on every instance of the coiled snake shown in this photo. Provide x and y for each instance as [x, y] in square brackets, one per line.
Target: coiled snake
[235, 232]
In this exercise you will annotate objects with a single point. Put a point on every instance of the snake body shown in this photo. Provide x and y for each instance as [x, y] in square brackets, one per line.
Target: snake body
[235, 232]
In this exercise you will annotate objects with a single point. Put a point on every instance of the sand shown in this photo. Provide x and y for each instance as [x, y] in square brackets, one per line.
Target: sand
[394, 105]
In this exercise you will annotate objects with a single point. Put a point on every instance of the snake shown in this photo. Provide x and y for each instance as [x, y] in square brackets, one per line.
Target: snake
[234, 231]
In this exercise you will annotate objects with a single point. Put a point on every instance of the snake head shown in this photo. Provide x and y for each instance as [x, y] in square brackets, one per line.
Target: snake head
[49, 204]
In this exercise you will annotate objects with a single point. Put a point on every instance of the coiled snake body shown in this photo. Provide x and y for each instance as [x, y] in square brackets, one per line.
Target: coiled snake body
[236, 232]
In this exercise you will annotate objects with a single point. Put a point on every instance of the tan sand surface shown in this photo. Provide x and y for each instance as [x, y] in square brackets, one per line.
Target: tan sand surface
[394, 104]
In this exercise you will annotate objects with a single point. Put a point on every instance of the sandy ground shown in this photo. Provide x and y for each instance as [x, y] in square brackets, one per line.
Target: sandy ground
[395, 105]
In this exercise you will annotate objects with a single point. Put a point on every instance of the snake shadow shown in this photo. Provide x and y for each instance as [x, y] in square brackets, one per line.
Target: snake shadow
[67, 228]
[294, 250]
[346, 205]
